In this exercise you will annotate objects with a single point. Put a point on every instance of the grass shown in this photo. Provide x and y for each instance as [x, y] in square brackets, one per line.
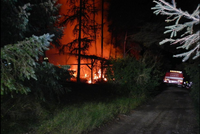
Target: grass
[76, 119]
[87, 109]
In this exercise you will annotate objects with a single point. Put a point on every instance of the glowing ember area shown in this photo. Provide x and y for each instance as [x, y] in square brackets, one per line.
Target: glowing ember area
[96, 77]
[90, 67]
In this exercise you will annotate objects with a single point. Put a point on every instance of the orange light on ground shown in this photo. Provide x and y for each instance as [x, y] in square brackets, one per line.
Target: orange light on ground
[90, 82]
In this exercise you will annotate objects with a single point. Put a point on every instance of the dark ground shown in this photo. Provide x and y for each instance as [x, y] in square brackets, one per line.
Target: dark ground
[171, 112]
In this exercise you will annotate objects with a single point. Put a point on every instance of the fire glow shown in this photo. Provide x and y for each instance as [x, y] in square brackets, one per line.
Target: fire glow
[89, 67]
[96, 77]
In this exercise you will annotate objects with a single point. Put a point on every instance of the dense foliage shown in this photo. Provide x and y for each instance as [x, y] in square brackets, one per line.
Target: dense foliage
[135, 77]
[193, 70]
[48, 85]
[27, 28]
[22, 19]
[14, 21]
[17, 62]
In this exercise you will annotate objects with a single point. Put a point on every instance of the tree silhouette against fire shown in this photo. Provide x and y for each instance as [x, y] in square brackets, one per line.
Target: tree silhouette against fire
[81, 14]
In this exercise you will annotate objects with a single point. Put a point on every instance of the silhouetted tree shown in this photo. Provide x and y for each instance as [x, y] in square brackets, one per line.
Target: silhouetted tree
[82, 13]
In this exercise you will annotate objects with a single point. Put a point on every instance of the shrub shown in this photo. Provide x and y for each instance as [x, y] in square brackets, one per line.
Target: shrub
[49, 81]
[133, 77]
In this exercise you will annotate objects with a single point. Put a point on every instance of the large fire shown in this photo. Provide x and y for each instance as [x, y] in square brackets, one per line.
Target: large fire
[87, 71]
[96, 77]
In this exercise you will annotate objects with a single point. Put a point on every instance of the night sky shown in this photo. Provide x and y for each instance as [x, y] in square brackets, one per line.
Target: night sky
[137, 14]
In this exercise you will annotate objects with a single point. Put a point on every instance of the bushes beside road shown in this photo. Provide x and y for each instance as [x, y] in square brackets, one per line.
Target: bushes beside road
[135, 77]
[85, 107]
[27, 114]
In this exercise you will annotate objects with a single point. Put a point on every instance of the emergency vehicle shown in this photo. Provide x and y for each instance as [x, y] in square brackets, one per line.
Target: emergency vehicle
[174, 77]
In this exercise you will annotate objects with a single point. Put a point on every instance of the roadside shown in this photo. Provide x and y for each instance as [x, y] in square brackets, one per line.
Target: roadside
[171, 112]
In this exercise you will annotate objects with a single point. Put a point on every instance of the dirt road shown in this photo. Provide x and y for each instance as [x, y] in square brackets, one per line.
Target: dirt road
[171, 112]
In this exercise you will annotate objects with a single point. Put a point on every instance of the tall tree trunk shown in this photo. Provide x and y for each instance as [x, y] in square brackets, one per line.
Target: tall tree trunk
[102, 8]
[94, 23]
[111, 44]
[95, 30]
[125, 38]
[79, 44]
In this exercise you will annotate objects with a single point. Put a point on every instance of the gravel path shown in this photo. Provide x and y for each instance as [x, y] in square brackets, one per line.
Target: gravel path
[171, 112]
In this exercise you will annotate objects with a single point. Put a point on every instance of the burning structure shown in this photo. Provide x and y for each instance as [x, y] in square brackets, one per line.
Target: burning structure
[86, 43]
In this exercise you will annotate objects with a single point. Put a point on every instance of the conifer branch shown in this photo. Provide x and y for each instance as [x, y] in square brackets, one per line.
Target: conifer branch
[19, 62]
[189, 37]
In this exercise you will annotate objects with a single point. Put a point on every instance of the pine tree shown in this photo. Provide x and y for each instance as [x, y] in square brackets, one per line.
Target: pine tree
[18, 62]
[22, 19]
[14, 21]
[190, 39]
[27, 28]
[71, 16]
[44, 18]
[85, 28]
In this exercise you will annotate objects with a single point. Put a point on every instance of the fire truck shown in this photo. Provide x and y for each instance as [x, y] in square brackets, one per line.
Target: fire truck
[174, 77]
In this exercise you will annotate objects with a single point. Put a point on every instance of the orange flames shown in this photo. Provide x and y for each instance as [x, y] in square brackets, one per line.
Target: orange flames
[96, 77]
[95, 48]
